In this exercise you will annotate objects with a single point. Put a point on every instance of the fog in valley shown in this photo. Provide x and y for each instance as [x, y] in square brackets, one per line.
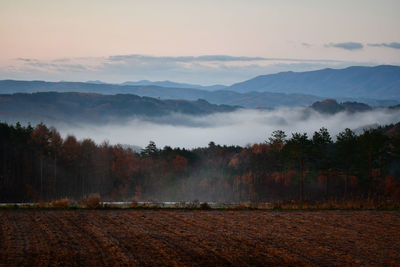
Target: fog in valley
[241, 127]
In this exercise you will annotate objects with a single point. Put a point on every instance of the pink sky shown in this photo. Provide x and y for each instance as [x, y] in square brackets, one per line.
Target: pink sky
[48, 30]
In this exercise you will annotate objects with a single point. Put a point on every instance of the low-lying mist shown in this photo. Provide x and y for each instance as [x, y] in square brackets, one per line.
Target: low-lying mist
[241, 127]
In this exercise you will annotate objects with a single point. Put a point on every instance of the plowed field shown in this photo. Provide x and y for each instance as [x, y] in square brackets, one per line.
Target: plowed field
[178, 238]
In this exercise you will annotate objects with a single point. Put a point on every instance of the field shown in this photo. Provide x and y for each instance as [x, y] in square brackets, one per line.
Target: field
[185, 237]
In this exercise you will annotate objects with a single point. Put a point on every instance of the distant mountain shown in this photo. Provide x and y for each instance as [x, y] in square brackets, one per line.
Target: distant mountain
[164, 84]
[369, 101]
[380, 82]
[176, 85]
[330, 106]
[249, 100]
[260, 99]
[355, 107]
[90, 107]
[96, 82]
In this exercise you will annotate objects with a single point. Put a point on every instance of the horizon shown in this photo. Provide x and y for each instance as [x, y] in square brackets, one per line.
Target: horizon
[183, 82]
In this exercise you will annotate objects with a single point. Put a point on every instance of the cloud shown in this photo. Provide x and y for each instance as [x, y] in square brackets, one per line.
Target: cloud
[347, 45]
[53, 67]
[228, 58]
[206, 58]
[222, 58]
[25, 59]
[241, 127]
[393, 45]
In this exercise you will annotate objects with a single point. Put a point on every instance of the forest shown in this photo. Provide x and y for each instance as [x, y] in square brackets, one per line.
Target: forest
[37, 164]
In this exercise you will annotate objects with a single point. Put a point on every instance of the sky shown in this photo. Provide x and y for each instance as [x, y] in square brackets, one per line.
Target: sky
[202, 42]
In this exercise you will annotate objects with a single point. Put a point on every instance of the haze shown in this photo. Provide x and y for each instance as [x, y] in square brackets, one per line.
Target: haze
[241, 127]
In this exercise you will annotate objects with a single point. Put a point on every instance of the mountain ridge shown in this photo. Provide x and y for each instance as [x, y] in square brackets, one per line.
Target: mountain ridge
[176, 85]
[94, 107]
[378, 82]
[331, 106]
[251, 99]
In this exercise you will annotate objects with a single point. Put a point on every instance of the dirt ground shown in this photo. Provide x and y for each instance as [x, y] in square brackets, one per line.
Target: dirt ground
[198, 238]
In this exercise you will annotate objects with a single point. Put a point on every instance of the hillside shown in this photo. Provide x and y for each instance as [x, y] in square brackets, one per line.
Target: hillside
[248, 99]
[380, 82]
[331, 106]
[175, 85]
[97, 108]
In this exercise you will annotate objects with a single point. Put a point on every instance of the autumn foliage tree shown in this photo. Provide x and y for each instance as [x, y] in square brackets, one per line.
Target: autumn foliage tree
[36, 163]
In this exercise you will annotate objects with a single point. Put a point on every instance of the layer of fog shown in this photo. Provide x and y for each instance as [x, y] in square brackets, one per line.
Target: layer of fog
[241, 127]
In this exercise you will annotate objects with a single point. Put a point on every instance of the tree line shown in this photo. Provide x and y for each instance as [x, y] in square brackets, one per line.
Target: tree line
[36, 164]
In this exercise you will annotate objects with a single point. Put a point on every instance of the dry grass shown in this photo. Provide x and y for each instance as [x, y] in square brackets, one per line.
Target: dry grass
[61, 203]
[93, 201]
[134, 203]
